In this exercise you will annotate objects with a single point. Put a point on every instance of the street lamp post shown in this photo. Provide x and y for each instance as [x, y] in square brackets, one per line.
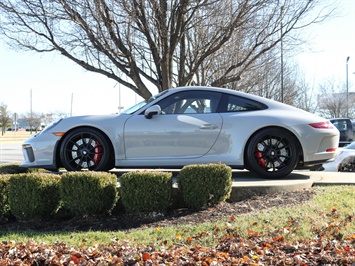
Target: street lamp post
[282, 59]
[347, 87]
[71, 104]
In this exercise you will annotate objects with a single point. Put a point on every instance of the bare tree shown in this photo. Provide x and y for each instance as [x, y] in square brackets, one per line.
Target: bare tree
[250, 59]
[34, 121]
[144, 43]
[263, 78]
[306, 98]
[5, 118]
[332, 100]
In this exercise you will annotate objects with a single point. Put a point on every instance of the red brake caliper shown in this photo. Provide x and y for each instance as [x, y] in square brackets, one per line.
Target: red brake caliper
[259, 157]
[98, 151]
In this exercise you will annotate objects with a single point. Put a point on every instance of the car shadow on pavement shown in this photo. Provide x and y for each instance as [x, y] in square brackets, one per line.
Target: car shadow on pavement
[246, 176]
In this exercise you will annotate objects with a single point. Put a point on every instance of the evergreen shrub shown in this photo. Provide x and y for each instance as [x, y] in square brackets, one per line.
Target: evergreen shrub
[14, 168]
[146, 191]
[34, 195]
[88, 192]
[205, 184]
[4, 197]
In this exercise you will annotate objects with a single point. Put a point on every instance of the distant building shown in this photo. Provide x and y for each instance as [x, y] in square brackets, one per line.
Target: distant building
[21, 125]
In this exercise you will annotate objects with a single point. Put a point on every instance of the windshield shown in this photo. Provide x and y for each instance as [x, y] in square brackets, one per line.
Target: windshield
[134, 108]
[138, 106]
[350, 146]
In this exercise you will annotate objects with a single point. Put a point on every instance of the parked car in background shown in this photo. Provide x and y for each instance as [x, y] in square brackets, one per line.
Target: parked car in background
[189, 125]
[345, 127]
[344, 160]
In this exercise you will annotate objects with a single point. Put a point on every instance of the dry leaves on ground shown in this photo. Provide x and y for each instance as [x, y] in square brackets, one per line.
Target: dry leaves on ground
[231, 250]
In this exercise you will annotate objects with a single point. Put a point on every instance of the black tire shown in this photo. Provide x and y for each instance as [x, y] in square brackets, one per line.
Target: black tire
[272, 153]
[86, 148]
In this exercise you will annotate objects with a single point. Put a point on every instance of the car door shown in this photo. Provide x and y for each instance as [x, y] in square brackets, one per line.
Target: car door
[187, 127]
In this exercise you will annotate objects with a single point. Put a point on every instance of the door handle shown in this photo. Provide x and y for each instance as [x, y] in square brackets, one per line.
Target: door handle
[208, 126]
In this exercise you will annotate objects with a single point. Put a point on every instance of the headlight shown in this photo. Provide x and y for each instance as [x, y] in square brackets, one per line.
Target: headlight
[51, 125]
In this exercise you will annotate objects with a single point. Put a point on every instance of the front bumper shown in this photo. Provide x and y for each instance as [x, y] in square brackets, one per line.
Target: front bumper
[39, 151]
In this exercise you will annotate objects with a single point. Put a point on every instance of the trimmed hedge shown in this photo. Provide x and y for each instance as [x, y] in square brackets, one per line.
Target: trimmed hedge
[202, 185]
[12, 168]
[40, 195]
[88, 193]
[146, 191]
[33, 195]
[4, 197]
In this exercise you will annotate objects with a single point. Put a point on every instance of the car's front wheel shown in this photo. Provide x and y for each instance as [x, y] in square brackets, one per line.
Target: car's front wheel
[85, 148]
[272, 153]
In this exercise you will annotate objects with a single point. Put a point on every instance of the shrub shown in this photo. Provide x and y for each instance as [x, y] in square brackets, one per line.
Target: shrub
[88, 193]
[4, 197]
[201, 185]
[14, 168]
[33, 195]
[146, 191]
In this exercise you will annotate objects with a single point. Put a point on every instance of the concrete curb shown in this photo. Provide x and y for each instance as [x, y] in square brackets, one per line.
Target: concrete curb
[239, 192]
[246, 185]
[335, 179]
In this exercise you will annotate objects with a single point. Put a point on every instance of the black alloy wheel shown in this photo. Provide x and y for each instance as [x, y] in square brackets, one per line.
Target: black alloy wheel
[86, 148]
[272, 153]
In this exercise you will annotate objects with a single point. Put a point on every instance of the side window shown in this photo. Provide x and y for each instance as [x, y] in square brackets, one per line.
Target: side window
[342, 125]
[191, 102]
[233, 103]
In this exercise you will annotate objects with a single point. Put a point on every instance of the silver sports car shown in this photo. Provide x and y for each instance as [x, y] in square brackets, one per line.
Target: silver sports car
[189, 125]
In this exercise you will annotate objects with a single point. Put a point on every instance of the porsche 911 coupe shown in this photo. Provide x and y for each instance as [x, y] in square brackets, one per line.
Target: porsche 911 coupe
[189, 125]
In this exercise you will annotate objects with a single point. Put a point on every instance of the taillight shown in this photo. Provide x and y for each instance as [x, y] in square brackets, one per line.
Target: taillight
[331, 150]
[322, 125]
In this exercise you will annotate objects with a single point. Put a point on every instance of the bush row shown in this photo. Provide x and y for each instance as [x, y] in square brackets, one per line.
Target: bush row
[37, 195]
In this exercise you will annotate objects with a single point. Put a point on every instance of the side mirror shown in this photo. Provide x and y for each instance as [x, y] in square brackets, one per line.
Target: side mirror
[153, 110]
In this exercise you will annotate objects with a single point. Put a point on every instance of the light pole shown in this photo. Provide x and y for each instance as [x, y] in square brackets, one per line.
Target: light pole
[119, 97]
[347, 87]
[31, 114]
[71, 105]
[282, 58]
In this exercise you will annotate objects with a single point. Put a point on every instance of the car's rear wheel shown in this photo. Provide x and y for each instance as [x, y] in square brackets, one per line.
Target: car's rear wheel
[272, 153]
[85, 148]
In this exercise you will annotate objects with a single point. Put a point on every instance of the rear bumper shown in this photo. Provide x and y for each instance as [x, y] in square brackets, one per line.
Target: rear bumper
[313, 164]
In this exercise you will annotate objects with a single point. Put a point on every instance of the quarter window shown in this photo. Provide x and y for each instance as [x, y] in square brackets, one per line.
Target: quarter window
[233, 103]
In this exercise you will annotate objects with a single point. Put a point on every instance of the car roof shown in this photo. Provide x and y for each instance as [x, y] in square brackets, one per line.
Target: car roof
[340, 118]
[230, 91]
